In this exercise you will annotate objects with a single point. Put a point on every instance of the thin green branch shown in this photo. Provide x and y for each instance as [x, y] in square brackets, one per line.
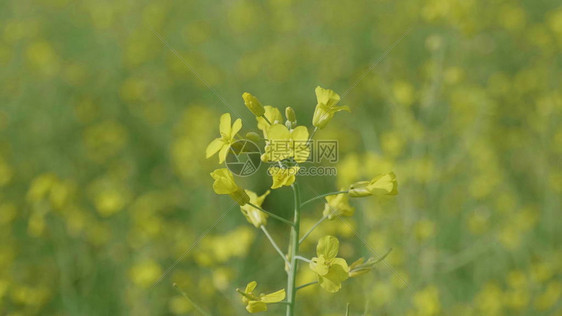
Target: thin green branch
[303, 259]
[277, 217]
[323, 195]
[199, 309]
[274, 244]
[312, 228]
[306, 284]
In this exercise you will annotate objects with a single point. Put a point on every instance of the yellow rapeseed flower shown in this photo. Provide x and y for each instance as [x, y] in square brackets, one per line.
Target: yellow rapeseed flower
[384, 184]
[228, 133]
[284, 143]
[282, 176]
[330, 271]
[252, 214]
[225, 184]
[337, 205]
[326, 107]
[258, 303]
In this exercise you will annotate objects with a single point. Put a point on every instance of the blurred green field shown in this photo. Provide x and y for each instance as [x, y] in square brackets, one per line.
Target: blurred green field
[106, 108]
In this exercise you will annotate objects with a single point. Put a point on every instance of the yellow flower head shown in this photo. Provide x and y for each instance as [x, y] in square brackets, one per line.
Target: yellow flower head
[273, 115]
[253, 104]
[228, 133]
[326, 107]
[252, 214]
[284, 143]
[258, 303]
[337, 205]
[384, 184]
[282, 176]
[225, 184]
[330, 271]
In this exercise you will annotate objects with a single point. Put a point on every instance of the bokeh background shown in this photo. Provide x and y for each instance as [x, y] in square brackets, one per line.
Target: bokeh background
[106, 108]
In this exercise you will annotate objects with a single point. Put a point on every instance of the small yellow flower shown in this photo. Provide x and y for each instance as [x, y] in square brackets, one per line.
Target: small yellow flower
[326, 107]
[228, 133]
[330, 271]
[258, 303]
[282, 176]
[252, 214]
[284, 143]
[337, 205]
[273, 115]
[384, 184]
[225, 184]
[253, 104]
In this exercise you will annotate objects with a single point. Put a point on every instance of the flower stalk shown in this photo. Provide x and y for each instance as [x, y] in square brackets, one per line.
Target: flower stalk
[293, 253]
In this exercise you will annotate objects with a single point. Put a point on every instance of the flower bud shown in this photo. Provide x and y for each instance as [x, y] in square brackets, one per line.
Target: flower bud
[253, 104]
[290, 114]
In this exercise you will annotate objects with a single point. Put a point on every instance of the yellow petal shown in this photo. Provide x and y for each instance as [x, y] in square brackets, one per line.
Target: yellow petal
[251, 287]
[214, 147]
[319, 265]
[224, 125]
[328, 247]
[273, 297]
[224, 181]
[384, 184]
[326, 96]
[236, 127]
[331, 282]
[300, 133]
[223, 152]
[278, 132]
[256, 307]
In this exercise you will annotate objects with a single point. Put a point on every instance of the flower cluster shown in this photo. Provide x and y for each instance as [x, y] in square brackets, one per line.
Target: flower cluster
[285, 149]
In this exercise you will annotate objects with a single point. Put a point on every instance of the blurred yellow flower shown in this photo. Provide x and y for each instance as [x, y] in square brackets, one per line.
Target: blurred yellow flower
[326, 107]
[384, 184]
[337, 205]
[330, 271]
[144, 274]
[258, 303]
[252, 214]
[228, 133]
[225, 184]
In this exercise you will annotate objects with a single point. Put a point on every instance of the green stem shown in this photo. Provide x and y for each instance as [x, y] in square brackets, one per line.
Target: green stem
[313, 228]
[303, 259]
[199, 309]
[306, 284]
[293, 253]
[274, 244]
[323, 195]
[277, 217]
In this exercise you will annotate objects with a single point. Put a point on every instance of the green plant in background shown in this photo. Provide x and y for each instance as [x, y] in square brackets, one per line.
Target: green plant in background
[286, 147]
